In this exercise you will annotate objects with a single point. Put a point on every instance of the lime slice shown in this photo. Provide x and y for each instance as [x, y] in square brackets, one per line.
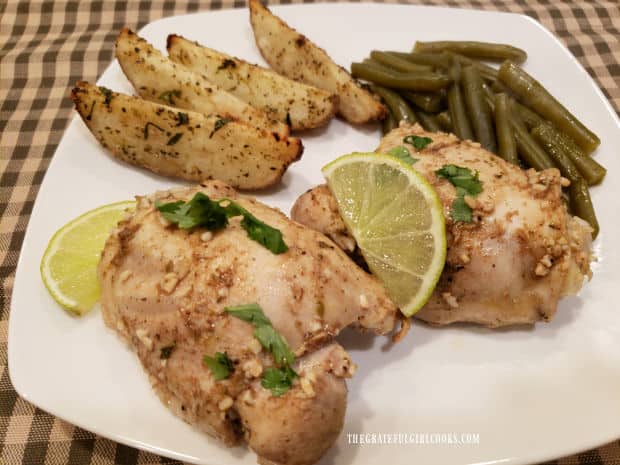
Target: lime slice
[396, 219]
[69, 265]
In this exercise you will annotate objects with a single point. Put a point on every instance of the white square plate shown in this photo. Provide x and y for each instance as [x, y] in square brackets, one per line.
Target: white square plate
[530, 394]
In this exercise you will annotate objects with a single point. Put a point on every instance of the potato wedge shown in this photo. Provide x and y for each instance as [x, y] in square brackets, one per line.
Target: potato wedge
[185, 145]
[299, 105]
[295, 56]
[160, 80]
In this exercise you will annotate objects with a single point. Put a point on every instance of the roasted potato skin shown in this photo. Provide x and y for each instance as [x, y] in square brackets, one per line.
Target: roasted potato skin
[299, 105]
[295, 56]
[184, 144]
[160, 80]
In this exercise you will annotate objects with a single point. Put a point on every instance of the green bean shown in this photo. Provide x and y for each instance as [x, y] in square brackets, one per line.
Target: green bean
[381, 66]
[480, 50]
[409, 81]
[535, 96]
[430, 102]
[507, 146]
[397, 105]
[444, 121]
[532, 153]
[489, 96]
[543, 136]
[529, 118]
[388, 123]
[485, 71]
[479, 112]
[589, 169]
[581, 204]
[429, 122]
[529, 150]
[399, 64]
[456, 105]
[498, 87]
[429, 59]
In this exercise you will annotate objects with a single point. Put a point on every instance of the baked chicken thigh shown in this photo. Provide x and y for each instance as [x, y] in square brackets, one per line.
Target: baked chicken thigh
[165, 290]
[511, 265]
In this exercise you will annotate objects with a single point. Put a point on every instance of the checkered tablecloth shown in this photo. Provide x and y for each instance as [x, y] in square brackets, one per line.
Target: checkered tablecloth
[47, 45]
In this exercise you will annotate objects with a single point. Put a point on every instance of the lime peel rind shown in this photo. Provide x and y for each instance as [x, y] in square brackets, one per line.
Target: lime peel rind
[51, 283]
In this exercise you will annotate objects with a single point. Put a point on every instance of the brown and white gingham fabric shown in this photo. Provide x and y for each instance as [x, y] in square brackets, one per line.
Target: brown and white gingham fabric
[47, 45]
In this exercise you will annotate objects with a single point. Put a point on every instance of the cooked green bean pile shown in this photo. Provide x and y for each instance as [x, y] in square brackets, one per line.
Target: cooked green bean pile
[444, 86]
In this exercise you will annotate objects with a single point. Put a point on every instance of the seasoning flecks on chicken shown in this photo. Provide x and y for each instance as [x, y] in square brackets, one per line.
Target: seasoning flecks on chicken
[164, 290]
[521, 253]
[300, 427]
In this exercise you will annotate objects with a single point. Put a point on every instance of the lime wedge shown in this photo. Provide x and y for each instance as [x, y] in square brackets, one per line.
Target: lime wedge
[69, 264]
[397, 220]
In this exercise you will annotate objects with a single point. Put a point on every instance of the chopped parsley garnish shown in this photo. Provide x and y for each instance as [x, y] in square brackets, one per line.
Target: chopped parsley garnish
[174, 139]
[252, 313]
[201, 211]
[417, 141]
[183, 118]
[269, 338]
[403, 154]
[219, 124]
[461, 177]
[108, 94]
[270, 238]
[169, 96]
[277, 379]
[460, 210]
[273, 341]
[221, 366]
[90, 113]
[466, 183]
[146, 129]
[166, 352]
